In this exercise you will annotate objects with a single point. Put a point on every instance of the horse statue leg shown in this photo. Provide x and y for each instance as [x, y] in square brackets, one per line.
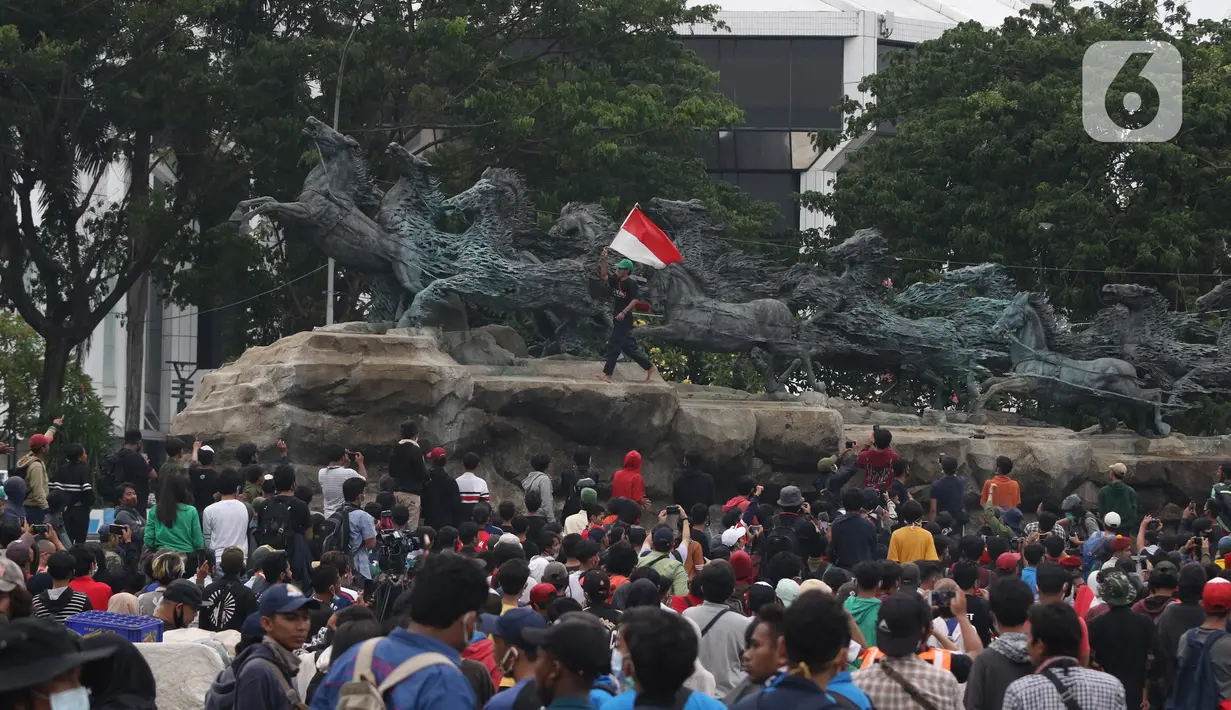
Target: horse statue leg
[248, 209]
[764, 362]
[1015, 385]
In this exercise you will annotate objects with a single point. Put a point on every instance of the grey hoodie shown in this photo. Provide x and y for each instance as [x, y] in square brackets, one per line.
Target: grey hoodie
[1004, 661]
[541, 482]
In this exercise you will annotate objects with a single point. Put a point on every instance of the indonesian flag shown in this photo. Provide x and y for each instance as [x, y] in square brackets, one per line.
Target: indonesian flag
[642, 241]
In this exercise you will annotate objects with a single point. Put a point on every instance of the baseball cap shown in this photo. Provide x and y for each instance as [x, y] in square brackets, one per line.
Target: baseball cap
[910, 576]
[1119, 544]
[578, 640]
[1116, 589]
[38, 440]
[510, 625]
[1216, 597]
[207, 447]
[11, 576]
[732, 536]
[437, 454]
[284, 599]
[1224, 543]
[786, 591]
[1112, 519]
[555, 573]
[542, 593]
[183, 591]
[663, 537]
[900, 623]
[1007, 560]
[589, 496]
[508, 539]
[596, 534]
[1164, 575]
[596, 584]
[624, 264]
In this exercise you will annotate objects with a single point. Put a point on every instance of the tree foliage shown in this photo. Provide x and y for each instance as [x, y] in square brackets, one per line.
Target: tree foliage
[990, 161]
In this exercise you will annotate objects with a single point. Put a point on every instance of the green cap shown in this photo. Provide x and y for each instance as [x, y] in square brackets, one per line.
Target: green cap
[1116, 589]
[589, 496]
[826, 464]
[625, 264]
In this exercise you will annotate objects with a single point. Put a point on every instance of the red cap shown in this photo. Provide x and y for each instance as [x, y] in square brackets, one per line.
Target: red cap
[1120, 544]
[1070, 562]
[1007, 560]
[1216, 598]
[542, 593]
[39, 440]
[437, 454]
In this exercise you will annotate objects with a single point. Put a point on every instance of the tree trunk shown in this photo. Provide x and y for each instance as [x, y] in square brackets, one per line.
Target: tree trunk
[56, 351]
[134, 366]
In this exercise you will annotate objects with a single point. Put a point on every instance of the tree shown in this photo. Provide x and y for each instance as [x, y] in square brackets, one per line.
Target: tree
[990, 161]
[94, 91]
[592, 101]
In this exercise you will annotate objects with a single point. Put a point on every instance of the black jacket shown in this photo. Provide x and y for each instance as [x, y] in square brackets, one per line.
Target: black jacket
[442, 501]
[76, 482]
[692, 486]
[407, 468]
[854, 540]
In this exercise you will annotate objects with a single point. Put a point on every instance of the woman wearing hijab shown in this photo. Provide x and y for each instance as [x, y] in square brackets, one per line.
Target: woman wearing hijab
[121, 680]
[124, 603]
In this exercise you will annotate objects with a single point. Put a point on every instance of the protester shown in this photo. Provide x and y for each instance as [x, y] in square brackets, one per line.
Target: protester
[228, 600]
[225, 523]
[76, 482]
[692, 486]
[43, 667]
[911, 542]
[658, 650]
[662, 560]
[408, 471]
[946, 493]
[876, 460]
[853, 536]
[174, 523]
[762, 654]
[1118, 497]
[441, 497]
[128, 465]
[864, 606]
[1008, 493]
[165, 568]
[627, 482]
[1006, 658]
[1178, 618]
[625, 291]
[61, 601]
[1059, 682]
[263, 674]
[539, 483]
[129, 512]
[336, 472]
[181, 602]
[33, 468]
[517, 657]
[721, 648]
[285, 523]
[84, 582]
[904, 620]
[444, 606]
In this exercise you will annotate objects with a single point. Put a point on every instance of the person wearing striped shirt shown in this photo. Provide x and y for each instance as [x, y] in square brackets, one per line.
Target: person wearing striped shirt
[471, 488]
[61, 601]
[74, 481]
[338, 472]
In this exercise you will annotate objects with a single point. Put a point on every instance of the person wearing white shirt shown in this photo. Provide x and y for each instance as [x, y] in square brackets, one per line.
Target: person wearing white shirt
[470, 487]
[338, 472]
[225, 523]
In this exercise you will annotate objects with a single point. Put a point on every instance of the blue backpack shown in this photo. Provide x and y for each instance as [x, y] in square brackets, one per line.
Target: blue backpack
[1090, 550]
[1194, 681]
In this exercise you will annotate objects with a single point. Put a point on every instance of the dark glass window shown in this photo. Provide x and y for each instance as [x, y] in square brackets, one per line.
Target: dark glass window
[775, 187]
[816, 83]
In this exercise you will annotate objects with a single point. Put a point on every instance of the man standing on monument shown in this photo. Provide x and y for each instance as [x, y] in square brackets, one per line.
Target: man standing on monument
[624, 290]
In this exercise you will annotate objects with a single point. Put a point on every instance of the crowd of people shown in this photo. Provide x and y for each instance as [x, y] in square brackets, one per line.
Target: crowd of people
[419, 591]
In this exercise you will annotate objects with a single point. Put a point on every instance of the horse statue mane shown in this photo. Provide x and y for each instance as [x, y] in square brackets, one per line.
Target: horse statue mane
[367, 195]
[1055, 327]
[516, 204]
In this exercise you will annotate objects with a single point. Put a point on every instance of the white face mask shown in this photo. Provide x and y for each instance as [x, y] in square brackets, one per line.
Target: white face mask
[617, 663]
[507, 661]
[73, 699]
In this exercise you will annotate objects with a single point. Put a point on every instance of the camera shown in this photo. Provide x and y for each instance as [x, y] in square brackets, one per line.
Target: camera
[41, 528]
[672, 510]
[394, 550]
[116, 529]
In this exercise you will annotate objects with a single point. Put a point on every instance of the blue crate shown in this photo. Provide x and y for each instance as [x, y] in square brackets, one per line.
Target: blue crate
[137, 629]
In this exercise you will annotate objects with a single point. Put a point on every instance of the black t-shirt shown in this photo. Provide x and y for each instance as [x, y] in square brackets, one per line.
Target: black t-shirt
[624, 292]
[606, 613]
[231, 602]
[980, 614]
[1124, 643]
[948, 492]
[301, 516]
[204, 486]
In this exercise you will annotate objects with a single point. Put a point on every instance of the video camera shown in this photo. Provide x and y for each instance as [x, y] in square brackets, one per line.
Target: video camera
[397, 552]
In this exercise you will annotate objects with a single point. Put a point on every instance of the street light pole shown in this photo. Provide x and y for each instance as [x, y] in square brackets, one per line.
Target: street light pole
[337, 109]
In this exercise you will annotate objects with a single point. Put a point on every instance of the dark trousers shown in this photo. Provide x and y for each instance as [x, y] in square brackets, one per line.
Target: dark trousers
[77, 523]
[621, 341]
[35, 516]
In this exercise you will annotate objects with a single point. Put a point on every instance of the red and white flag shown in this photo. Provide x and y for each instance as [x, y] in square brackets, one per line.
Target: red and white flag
[642, 241]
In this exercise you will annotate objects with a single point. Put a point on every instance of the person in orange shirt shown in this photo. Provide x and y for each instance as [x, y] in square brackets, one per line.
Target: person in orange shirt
[1007, 494]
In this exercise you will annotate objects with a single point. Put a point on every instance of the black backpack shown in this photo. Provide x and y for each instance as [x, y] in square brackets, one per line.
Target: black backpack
[275, 529]
[783, 538]
[110, 475]
[338, 536]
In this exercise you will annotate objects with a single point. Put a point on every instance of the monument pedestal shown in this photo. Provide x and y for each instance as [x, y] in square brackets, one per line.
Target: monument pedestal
[355, 383]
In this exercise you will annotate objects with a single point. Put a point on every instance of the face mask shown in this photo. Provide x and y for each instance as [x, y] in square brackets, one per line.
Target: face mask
[617, 662]
[1070, 517]
[177, 617]
[74, 699]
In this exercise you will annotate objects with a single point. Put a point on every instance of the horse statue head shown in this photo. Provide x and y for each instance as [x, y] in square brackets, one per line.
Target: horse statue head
[1217, 298]
[988, 280]
[584, 226]
[685, 214]
[346, 169]
[500, 196]
[1030, 319]
[1133, 296]
[862, 247]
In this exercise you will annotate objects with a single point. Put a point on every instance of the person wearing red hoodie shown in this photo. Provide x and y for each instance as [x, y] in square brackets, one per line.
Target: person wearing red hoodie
[688, 601]
[877, 459]
[627, 482]
[747, 487]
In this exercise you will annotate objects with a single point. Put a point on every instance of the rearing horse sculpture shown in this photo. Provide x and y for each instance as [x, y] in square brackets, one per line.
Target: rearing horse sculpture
[1039, 372]
[329, 215]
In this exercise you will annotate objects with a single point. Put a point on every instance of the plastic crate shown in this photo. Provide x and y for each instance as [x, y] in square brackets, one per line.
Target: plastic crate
[138, 629]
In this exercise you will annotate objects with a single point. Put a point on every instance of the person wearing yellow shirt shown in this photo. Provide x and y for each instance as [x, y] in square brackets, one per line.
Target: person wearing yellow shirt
[911, 542]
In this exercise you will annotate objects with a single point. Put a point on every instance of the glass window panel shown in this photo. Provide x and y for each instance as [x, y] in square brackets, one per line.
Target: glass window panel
[816, 83]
